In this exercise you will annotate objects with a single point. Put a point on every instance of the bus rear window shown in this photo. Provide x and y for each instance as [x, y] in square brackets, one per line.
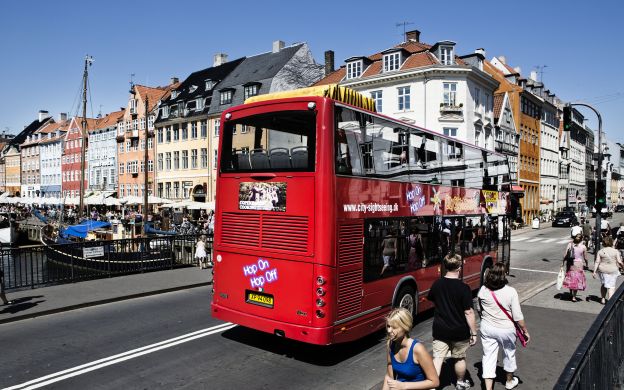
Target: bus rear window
[271, 142]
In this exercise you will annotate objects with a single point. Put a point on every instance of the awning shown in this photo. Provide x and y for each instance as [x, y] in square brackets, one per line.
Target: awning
[82, 229]
[517, 189]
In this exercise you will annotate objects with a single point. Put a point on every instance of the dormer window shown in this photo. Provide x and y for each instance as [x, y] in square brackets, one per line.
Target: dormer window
[225, 96]
[174, 94]
[164, 111]
[209, 84]
[192, 88]
[199, 104]
[354, 69]
[251, 89]
[391, 61]
[446, 55]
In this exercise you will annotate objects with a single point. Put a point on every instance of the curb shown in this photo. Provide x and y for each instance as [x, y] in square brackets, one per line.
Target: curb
[536, 290]
[101, 302]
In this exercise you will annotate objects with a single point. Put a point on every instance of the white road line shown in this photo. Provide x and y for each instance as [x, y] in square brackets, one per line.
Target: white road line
[534, 270]
[97, 364]
[534, 239]
[566, 241]
[520, 239]
[549, 240]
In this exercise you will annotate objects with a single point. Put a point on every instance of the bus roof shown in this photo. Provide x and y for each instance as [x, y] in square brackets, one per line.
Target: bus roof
[332, 91]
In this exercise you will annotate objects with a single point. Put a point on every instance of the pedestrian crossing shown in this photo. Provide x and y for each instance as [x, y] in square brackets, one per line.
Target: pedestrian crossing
[542, 240]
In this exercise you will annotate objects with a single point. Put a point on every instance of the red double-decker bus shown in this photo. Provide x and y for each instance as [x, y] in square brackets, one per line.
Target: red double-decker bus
[329, 214]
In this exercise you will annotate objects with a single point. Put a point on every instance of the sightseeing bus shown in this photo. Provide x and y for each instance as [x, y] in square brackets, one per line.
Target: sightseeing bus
[329, 214]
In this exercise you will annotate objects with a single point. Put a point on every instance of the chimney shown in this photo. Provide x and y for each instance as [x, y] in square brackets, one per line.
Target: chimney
[533, 75]
[518, 70]
[63, 116]
[43, 114]
[174, 80]
[329, 62]
[412, 36]
[219, 59]
[278, 46]
[502, 59]
[480, 51]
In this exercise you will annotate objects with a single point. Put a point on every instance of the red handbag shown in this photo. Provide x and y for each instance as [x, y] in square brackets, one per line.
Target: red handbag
[520, 336]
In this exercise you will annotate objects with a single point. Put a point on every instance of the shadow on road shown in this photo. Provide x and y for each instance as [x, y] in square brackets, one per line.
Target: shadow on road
[21, 304]
[312, 354]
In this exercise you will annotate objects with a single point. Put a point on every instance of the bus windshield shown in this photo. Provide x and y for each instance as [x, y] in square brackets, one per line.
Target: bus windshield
[270, 142]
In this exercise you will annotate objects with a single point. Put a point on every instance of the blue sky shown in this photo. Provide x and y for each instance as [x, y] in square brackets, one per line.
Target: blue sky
[43, 44]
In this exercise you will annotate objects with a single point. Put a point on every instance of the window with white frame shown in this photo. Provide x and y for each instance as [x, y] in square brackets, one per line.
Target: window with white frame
[251, 90]
[354, 69]
[392, 61]
[150, 165]
[450, 94]
[404, 98]
[477, 99]
[150, 122]
[193, 158]
[450, 131]
[217, 127]
[133, 106]
[121, 168]
[204, 158]
[214, 158]
[225, 97]
[446, 55]
[377, 96]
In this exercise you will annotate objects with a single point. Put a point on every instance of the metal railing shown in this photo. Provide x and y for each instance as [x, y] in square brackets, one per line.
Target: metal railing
[41, 265]
[598, 362]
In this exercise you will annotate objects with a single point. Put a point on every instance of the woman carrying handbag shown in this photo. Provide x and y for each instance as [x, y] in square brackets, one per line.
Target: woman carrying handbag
[575, 275]
[498, 326]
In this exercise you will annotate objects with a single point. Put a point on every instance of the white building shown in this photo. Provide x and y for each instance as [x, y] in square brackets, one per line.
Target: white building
[50, 153]
[102, 153]
[429, 86]
[549, 156]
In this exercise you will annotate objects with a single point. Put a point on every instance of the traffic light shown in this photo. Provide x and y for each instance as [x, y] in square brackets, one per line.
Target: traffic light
[567, 117]
[601, 195]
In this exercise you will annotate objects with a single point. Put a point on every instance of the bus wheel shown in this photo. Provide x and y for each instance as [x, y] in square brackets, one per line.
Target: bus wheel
[406, 298]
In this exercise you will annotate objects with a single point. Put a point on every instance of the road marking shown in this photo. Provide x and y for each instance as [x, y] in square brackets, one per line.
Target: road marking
[520, 239]
[101, 363]
[534, 270]
[549, 240]
[566, 241]
[534, 239]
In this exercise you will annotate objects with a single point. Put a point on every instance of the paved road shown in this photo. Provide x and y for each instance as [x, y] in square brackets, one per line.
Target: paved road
[170, 341]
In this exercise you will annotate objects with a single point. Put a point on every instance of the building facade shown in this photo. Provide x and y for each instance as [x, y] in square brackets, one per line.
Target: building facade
[135, 132]
[31, 178]
[102, 154]
[182, 134]
[428, 85]
[50, 153]
[71, 158]
[549, 156]
[13, 171]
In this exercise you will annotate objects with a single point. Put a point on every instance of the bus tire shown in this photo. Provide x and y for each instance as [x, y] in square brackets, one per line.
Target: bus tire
[487, 267]
[406, 298]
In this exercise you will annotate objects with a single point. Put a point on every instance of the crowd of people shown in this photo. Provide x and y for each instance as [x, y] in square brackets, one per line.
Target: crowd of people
[411, 366]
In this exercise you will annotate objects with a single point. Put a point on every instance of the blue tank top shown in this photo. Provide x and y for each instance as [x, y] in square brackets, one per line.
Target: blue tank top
[407, 371]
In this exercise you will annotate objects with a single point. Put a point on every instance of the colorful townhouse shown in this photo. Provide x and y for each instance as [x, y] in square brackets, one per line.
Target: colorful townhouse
[31, 176]
[71, 166]
[182, 139]
[133, 129]
[50, 152]
[102, 154]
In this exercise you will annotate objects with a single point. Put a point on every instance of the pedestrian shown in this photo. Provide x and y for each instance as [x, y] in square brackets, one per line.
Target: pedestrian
[200, 252]
[608, 263]
[575, 275]
[454, 325]
[496, 328]
[576, 230]
[5, 301]
[587, 233]
[409, 365]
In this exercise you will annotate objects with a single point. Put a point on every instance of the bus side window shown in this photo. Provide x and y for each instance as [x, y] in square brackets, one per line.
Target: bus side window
[435, 240]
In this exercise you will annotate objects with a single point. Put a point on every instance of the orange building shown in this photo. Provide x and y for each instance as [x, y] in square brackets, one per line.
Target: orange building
[131, 136]
[527, 109]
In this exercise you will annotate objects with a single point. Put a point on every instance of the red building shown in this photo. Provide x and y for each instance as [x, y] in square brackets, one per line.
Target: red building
[70, 160]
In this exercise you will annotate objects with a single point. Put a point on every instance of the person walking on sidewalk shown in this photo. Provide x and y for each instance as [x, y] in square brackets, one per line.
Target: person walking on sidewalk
[454, 325]
[608, 263]
[409, 365]
[575, 275]
[496, 329]
[587, 234]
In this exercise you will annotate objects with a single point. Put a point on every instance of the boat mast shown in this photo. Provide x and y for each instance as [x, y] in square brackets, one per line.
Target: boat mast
[145, 161]
[83, 140]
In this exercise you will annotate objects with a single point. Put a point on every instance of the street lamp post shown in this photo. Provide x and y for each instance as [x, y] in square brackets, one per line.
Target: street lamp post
[598, 171]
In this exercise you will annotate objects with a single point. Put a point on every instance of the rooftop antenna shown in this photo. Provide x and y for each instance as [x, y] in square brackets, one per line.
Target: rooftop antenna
[404, 24]
[540, 71]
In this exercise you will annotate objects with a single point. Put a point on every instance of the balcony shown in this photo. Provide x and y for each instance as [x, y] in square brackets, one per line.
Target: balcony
[120, 138]
[446, 108]
[503, 147]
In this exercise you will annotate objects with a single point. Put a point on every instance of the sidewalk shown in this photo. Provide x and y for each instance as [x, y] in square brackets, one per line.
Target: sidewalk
[47, 300]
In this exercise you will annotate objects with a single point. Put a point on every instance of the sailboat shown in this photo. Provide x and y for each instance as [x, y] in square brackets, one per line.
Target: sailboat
[90, 244]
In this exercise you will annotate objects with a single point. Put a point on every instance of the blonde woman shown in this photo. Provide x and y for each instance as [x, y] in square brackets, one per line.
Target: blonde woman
[409, 365]
[608, 264]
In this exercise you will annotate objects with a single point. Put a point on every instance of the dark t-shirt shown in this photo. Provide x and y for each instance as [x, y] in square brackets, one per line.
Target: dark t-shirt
[451, 298]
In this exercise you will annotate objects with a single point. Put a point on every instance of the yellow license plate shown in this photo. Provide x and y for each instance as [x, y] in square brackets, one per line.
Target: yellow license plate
[261, 299]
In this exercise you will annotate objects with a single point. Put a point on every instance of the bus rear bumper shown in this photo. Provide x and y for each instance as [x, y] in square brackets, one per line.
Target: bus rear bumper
[306, 334]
